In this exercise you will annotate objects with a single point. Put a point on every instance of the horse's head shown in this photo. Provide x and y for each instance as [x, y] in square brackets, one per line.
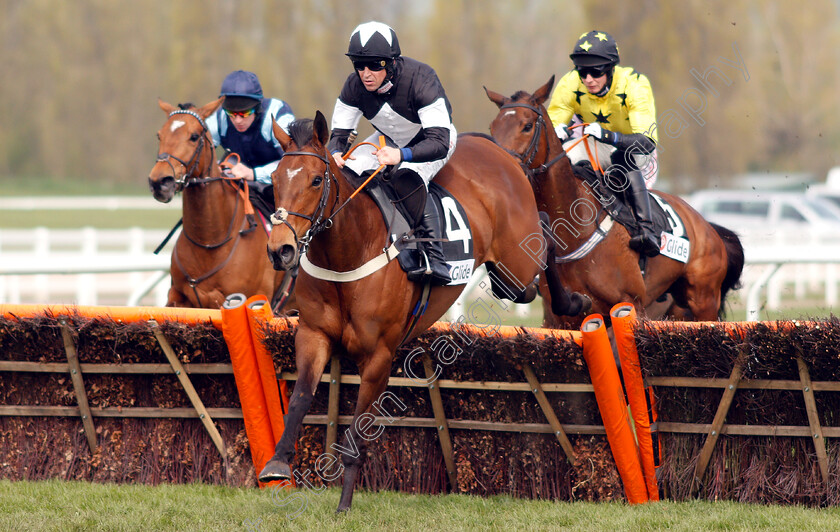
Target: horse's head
[186, 148]
[521, 121]
[305, 191]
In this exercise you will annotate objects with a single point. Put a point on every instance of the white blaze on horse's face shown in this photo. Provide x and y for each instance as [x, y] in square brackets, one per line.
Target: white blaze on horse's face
[290, 174]
[176, 124]
[510, 112]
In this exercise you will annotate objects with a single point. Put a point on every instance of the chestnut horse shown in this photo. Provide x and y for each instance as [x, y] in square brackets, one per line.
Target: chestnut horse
[610, 272]
[368, 318]
[220, 250]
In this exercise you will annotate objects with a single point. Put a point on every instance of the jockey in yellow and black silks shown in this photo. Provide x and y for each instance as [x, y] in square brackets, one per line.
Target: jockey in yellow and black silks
[617, 104]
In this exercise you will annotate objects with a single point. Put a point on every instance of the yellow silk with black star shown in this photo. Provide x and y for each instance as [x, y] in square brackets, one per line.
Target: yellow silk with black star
[627, 108]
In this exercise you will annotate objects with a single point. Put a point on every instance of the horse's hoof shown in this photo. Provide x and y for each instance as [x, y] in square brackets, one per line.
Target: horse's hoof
[275, 470]
[585, 303]
[342, 510]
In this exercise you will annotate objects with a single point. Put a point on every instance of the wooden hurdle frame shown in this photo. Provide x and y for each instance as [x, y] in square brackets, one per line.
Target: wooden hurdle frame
[440, 422]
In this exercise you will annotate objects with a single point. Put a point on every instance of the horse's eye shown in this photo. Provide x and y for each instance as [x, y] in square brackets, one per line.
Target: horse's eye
[317, 181]
[194, 137]
[528, 127]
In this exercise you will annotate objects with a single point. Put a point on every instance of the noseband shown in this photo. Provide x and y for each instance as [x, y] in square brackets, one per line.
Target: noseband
[189, 167]
[317, 221]
[530, 153]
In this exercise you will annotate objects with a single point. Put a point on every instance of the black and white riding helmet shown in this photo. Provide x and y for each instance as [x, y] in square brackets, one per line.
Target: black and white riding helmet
[373, 40]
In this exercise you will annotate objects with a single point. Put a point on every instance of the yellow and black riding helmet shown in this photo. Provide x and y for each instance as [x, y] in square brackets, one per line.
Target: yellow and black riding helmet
[595, 48]
[597, 52]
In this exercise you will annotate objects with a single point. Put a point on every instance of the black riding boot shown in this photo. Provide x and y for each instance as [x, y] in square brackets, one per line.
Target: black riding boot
[646, 243]
[429, 227]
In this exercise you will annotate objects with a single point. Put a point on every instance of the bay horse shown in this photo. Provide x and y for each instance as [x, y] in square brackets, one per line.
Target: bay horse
[610, 272]
[220, 250]
[368, 318]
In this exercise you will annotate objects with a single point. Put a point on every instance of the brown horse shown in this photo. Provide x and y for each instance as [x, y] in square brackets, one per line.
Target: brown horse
[610, 273]
[220, 251]
[368, 318]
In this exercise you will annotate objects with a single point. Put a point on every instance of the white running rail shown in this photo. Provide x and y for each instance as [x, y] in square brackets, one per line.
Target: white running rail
[83, 266]
[116, 266]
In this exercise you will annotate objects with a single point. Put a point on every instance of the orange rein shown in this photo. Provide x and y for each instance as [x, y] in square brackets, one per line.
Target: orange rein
[594, 160]
[381, 166]
[244, 193]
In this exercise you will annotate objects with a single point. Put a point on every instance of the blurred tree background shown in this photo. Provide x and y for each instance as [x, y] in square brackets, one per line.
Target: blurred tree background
[81, 78]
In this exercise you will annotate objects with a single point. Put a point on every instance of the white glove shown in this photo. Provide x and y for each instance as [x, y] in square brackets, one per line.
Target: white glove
[562, 132]
[598, 133]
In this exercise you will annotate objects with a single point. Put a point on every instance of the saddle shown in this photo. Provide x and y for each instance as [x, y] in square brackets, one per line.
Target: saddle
[261, 195]
[619, 207]
[399, 221]
[262, 199]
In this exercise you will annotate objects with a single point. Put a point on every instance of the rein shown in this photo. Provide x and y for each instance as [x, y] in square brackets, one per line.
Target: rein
[593, 159]
[527, 158]
[282, 215]
[601, 231]
[363, 185]
[189, 167]
[317, 221]
[187, 180]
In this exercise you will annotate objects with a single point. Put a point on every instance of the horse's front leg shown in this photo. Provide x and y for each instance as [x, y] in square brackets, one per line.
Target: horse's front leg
[176, 298]
[312, 350]
[563, 302]
[374, 376]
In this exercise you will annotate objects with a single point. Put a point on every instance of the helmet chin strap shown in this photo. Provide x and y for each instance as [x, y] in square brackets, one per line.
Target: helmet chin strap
[385, 87]
[606, 88]
[388, 84]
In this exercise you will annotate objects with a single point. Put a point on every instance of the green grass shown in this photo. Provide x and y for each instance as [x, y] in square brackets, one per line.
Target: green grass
[162, 218]
[153, 218]
[46, 186]
[59, 505]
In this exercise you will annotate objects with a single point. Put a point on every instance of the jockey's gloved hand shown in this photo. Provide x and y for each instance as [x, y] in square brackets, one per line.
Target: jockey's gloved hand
[599, 133]
[563, 132]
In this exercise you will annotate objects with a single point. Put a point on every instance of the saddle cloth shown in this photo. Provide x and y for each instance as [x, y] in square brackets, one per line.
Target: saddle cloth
[666, 222]
[262, 199]
[455, 228]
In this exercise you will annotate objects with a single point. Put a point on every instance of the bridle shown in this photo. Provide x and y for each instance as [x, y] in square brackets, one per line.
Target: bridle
[317, 221]
[187, 179]
[190, 166]
[527, 159]
[530, 153]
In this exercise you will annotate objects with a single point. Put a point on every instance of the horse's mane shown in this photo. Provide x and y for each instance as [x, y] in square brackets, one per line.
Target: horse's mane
[477, 134]
[186, 106]
[519, 94]
[301, 131]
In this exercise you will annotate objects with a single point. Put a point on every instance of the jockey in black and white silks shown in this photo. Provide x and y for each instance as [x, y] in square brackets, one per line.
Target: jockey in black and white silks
[404, 101]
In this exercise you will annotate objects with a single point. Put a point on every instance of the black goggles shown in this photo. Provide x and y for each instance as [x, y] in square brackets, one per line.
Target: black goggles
[595, 72]
[374, 65]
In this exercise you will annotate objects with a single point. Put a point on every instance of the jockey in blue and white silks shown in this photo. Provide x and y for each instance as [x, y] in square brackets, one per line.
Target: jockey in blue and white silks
[244, 125]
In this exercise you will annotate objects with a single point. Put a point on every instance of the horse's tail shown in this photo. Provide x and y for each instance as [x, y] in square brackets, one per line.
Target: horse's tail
[734, 264]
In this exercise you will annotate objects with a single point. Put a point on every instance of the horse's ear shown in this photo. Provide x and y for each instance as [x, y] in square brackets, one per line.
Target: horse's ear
[319, 128]
[210, 108]
[495, 97]
[167, 107]
[541, 94]
[281, 136]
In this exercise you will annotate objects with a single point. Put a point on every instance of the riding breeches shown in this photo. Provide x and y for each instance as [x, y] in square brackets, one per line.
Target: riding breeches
[646, 163]
[366, 161]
